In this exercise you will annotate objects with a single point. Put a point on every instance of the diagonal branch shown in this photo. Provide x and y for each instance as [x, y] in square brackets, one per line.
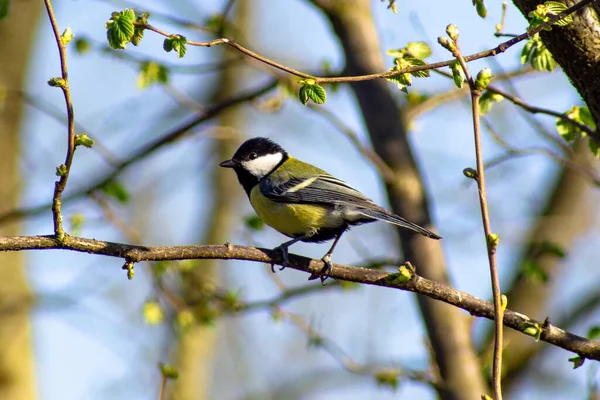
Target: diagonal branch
[177, 133]
[406, 280]
[501, 48]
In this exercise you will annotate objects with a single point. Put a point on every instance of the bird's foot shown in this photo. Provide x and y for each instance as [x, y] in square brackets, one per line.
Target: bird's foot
[325, 271]
[284, 254]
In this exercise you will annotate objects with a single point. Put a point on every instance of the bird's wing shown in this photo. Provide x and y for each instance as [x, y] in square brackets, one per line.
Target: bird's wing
[321, 189]
[326, 189]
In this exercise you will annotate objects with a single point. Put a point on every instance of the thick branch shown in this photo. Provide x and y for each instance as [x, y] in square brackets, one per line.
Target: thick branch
[576, 47]
[448, 331]
[586, 348]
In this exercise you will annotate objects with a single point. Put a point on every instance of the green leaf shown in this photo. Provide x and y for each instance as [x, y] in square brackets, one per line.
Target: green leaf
[387, 377]
[419, 50]
[316, 93]
[120, 28]
[310, 90]
[185, 319]
[177, 43]
[82, 45]
[544, 61]
[415, 62]
[593, 333]
[532, 270]
[547, 247]
[302, 95]
[168, 371]
[402, 80]
[67, 36]
[571, 132]
[543, 13]
[414, 98]
[57, 81]
[138, 31]
[61, 170]
[152, 72]
[536, 52]
[153, 313]
[555, 8]
[480, 7]
[585, 117]
[116, 190]
[486, 101]
[577, 361]
[396, 53]
[531, 329]
[254, 223]
[483, 79]
[214, 23]
[84, 140]
[4, 7]
[77, 220]
[458, 75]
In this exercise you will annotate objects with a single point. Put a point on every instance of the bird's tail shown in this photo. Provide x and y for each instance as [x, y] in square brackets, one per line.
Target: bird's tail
[385, 216]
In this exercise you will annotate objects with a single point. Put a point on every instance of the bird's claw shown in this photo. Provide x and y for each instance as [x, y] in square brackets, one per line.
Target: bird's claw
[325, 271]
[284, 256]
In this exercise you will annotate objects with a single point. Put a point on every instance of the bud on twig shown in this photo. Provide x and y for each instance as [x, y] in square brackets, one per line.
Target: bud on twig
[452, 32]
[484, 77]
[447, 44]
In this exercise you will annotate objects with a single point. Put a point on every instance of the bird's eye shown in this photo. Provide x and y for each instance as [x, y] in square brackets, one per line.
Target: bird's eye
[252, 156]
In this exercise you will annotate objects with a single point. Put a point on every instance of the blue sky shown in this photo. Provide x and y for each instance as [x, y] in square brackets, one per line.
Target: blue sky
[89, 332]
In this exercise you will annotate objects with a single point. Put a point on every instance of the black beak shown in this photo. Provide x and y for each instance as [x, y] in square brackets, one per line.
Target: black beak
[228, 164]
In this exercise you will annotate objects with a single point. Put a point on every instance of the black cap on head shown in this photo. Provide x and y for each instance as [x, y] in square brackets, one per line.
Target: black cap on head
[259, 145]
[254, 149]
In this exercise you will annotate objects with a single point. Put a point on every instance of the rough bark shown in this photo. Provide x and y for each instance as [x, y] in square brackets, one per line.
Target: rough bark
[197, 345]
[447, 327]
[576, 47]
[17, 379]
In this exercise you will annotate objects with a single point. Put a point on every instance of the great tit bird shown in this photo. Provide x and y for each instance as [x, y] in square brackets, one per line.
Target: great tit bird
[302, 201]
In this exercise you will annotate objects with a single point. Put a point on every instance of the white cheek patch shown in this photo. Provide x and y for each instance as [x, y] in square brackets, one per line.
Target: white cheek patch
[262, 165]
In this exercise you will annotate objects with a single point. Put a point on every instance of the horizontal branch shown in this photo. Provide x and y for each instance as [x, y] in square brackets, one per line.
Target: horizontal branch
[585, 348]
[501, 48]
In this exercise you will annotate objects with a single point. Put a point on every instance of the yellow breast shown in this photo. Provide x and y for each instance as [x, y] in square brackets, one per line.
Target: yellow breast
[292, 219]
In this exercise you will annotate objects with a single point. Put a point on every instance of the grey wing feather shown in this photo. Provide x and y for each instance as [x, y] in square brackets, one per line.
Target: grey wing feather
[326, 189]
[397, 220]
[323, 189]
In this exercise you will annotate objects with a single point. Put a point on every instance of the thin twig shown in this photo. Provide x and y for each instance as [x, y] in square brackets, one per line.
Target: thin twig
[518, 102]
[539, 110]
[549, 333]
[386, 172]
[163, 387]
[61, 184]
[501, 48]
[490, 242]
[168, 138]
[347, 362]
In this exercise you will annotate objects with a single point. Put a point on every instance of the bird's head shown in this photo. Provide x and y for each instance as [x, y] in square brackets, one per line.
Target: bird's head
[257, 157]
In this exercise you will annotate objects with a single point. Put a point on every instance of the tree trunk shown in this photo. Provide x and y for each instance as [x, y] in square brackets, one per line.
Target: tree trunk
[196, 348]
[17, 379]
[447, 327]
[576, 47]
